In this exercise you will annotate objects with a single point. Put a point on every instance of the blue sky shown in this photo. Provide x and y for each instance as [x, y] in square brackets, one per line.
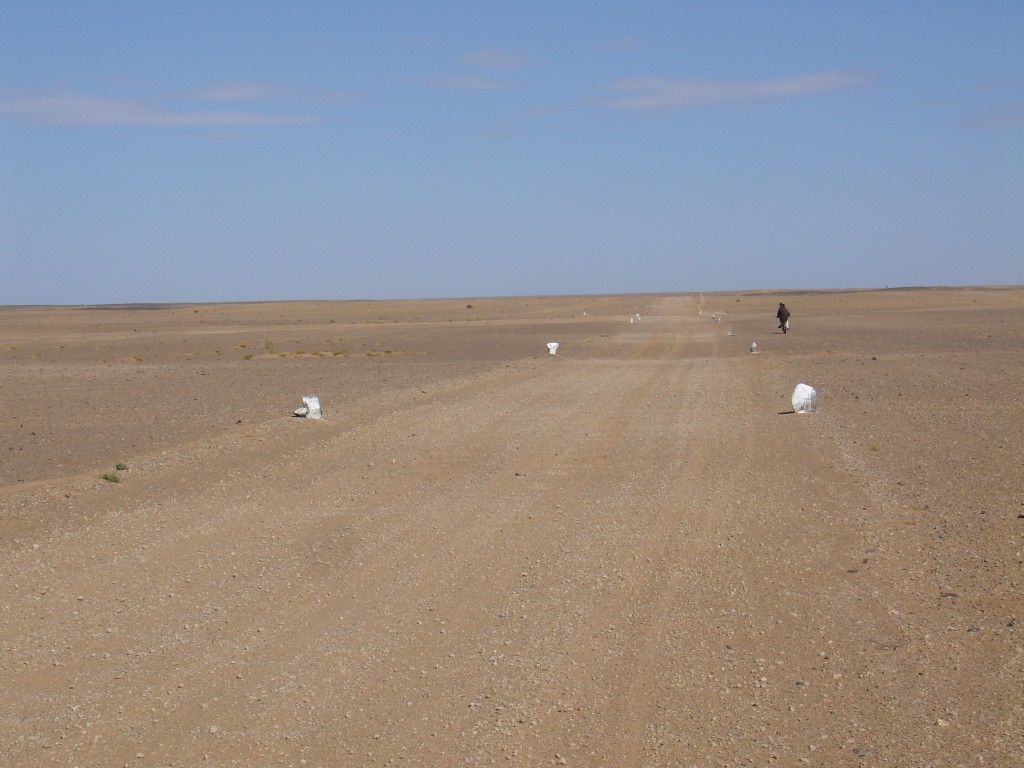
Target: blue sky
[232, 151]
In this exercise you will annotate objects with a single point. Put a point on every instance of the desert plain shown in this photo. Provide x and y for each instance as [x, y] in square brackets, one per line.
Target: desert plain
[630, 553]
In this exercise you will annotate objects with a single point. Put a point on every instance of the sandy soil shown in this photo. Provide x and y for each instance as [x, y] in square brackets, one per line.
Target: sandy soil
[627, 554]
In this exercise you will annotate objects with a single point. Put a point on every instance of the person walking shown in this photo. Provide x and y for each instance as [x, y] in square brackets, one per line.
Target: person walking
[783, 316]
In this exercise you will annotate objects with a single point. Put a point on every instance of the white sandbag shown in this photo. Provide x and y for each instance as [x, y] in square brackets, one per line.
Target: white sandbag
[753, 346]
[805, 399]
[310, 408]
[552, 347]
[312, 402]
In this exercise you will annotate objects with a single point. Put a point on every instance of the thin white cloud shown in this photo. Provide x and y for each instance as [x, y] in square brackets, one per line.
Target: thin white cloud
[339, 98]
[428, 42]
[625, 43]
[86, 109]
[493, 58]
[475, 63]
[468, 84]
[235, 92]
[1015, 82]
[1007, 116]
[641, 93]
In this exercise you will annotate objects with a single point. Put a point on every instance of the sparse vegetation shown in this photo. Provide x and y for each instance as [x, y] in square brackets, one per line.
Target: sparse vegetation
[268, 345]
[120, 466]
[111, 477]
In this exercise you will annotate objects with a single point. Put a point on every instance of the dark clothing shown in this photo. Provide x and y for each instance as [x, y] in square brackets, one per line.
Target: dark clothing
[783, 315]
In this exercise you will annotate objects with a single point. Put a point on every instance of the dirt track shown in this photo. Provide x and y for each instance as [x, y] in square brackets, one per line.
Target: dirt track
[627, 554]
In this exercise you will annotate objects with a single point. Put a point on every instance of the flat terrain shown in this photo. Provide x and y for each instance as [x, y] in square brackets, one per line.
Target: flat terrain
[627, 554]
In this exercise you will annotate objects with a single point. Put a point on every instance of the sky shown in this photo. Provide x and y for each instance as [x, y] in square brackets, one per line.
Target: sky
[197, 151]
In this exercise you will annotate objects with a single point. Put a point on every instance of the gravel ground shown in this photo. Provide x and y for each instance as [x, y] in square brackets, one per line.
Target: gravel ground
[627, 554]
